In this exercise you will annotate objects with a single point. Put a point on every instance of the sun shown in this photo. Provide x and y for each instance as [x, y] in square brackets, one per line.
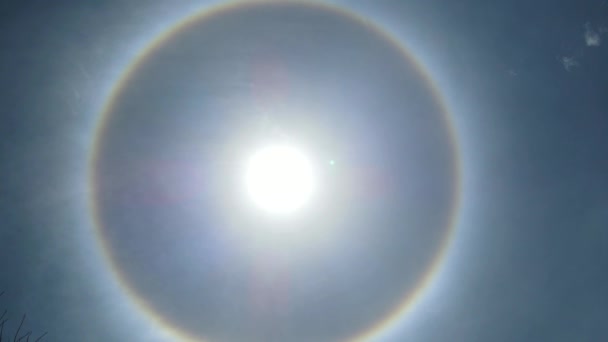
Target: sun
[279, 179]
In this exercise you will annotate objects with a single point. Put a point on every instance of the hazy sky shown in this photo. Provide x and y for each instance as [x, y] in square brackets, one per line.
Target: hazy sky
[523, 83]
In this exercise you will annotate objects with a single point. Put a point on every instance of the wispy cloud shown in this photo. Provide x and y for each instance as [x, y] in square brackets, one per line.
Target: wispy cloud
[569, 63]
[592, 37]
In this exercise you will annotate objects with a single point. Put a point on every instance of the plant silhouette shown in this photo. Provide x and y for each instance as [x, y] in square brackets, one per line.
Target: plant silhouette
[19, 336]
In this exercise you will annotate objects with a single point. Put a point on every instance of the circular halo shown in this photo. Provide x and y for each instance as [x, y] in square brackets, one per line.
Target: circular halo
[407, 301]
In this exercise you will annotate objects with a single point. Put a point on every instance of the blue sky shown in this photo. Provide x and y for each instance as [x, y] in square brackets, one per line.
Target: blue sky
[524, 85]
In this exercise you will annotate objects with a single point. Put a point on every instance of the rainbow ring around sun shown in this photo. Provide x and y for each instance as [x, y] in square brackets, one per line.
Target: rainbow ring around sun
[275, 171]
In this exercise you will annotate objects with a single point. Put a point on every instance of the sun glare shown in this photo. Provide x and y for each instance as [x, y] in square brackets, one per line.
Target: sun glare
[279, 179]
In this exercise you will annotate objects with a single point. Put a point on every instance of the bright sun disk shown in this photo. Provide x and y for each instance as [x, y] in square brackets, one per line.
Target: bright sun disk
[279, 179]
